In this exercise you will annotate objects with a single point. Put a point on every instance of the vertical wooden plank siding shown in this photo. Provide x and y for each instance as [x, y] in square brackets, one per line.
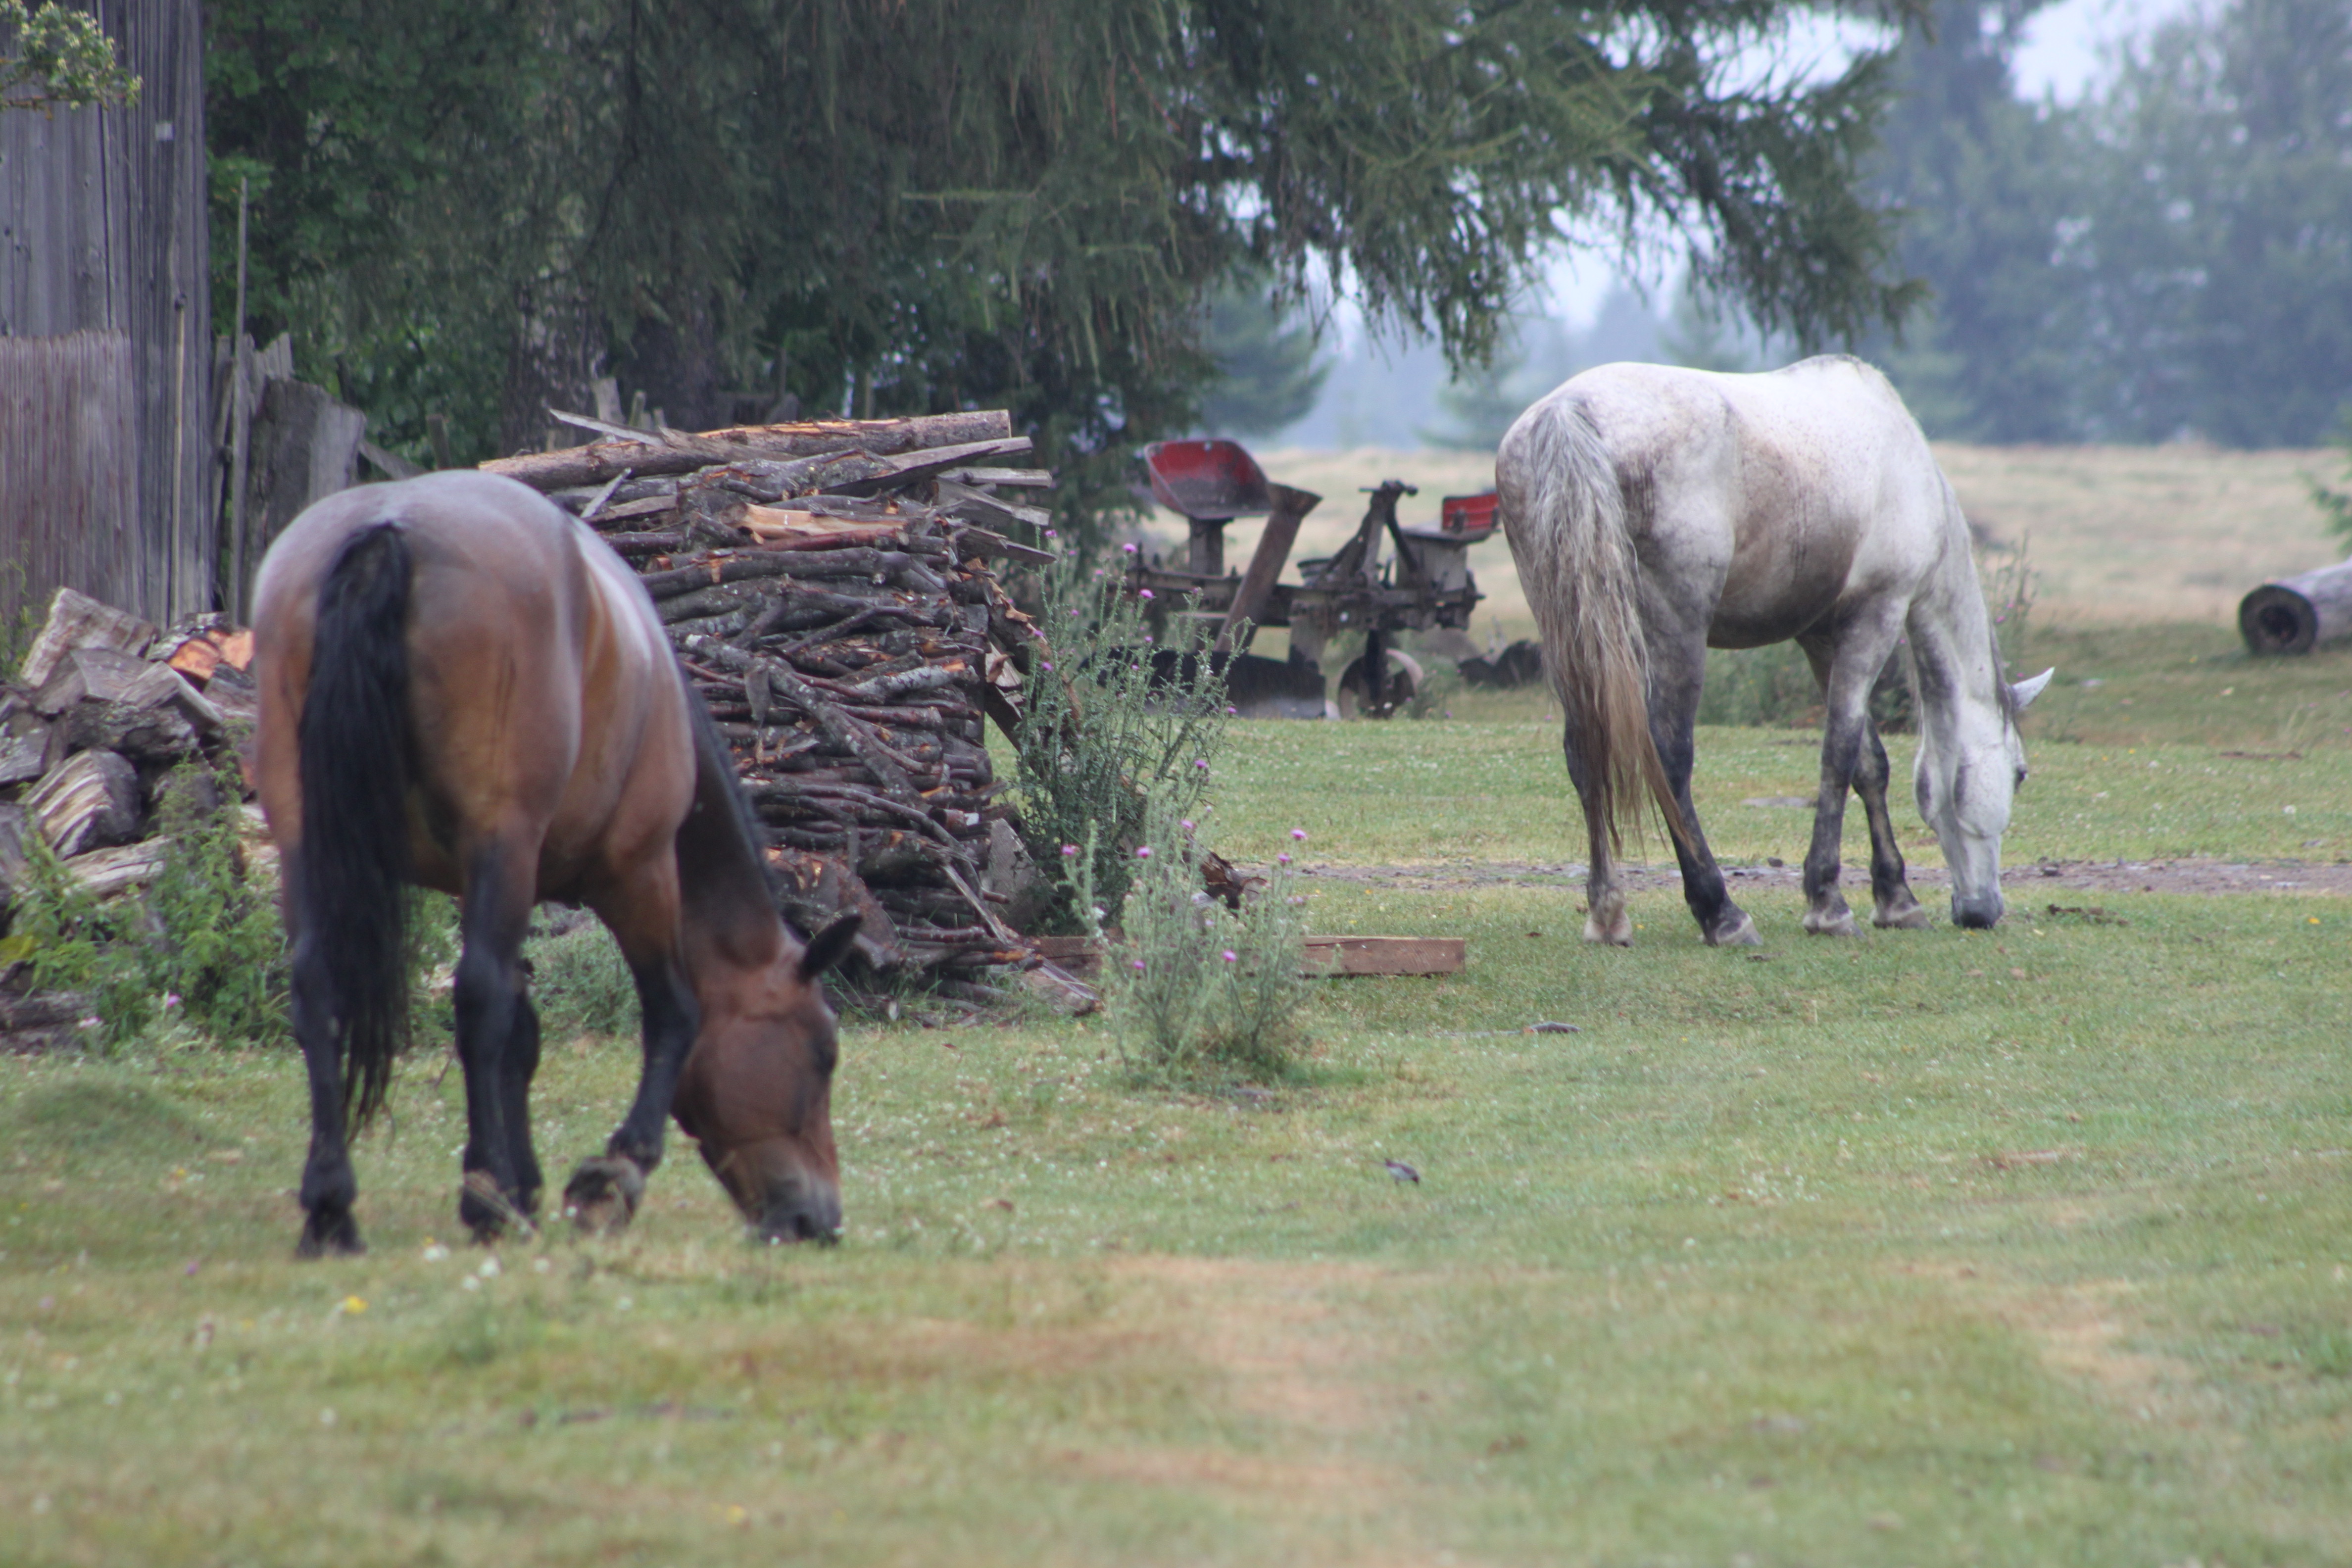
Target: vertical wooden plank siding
[67, 448]
[104, 255]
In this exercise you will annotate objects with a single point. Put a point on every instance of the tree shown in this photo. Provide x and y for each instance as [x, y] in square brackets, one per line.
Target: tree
[60, 59]
[1988, 187]
[2219, 246]
[1268, 370]
[928, 204]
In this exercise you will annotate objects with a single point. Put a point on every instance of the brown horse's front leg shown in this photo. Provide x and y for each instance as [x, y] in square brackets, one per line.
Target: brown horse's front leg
[604, 1193]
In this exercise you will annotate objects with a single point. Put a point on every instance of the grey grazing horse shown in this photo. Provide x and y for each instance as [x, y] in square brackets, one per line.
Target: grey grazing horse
[1656, 513]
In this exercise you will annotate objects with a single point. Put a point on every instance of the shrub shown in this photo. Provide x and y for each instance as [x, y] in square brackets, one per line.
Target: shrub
[580, 983]
[1201, 992]
[1112, 719]
[205, 941]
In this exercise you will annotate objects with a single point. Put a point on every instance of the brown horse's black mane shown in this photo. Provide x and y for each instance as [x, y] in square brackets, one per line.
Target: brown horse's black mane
[723, 877]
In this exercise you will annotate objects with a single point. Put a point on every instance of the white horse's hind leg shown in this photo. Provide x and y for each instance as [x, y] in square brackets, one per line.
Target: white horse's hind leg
[1606, 919]
[1894, 907]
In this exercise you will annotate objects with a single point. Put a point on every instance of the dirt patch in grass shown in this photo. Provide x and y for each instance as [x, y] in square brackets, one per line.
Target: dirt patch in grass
[2051, 878]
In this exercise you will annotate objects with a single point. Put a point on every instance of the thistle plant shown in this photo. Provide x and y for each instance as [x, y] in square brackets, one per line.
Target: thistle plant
[1112, 720]
[1201, 992]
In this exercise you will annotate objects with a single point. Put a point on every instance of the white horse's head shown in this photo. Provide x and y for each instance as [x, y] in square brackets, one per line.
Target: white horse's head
[1967, 776]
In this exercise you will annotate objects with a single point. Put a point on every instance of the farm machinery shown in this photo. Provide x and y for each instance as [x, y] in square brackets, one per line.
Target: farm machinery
[1386, 580]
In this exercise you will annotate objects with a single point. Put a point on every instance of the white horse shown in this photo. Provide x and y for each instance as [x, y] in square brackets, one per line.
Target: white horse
[1656, 513]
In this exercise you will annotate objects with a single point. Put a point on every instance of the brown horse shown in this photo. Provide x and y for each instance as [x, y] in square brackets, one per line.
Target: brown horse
[462, 688]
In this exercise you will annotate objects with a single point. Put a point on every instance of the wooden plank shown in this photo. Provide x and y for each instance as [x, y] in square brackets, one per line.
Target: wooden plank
[1325, 955]
[1384, 955]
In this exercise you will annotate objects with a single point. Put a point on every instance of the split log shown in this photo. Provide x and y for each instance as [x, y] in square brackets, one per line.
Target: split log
[104, 873]
[90, 800]
[24, 743]
[15, 825]
[2296, 614]
[77, 621]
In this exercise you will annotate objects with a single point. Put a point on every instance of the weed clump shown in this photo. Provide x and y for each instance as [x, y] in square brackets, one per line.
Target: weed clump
[1114, 718]
[202, 948]
[580, 983]
[1202, 992]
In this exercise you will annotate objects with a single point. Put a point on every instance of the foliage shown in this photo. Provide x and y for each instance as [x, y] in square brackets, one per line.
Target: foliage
[61, 57]
[2174, 257]
[1987, 185]
[1481, 402]
[1113, 719]
[898, 208]
[2219, 246]
[1199, 992]
[580, 983]
[204, 945]
[2336, 505]
[1268, 370]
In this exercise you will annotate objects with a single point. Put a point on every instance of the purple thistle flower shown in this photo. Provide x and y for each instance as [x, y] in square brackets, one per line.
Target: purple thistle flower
[1230, 711]
[1230, 956]
[1299, 833]
[1143, 592]
[1138, 963]
[1185, 825]
[1201, 763]
[1143, 852]
[1282, 860]
[1043, 662]
[1069, 850]
[1128, 547]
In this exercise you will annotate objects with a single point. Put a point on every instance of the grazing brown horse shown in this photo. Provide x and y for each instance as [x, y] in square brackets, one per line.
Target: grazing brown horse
[462, 688]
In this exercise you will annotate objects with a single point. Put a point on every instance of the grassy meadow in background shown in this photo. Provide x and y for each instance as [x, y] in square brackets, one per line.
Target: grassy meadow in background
[1933, 1247]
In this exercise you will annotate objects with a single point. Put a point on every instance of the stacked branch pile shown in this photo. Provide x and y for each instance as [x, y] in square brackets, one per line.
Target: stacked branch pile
[828, 588]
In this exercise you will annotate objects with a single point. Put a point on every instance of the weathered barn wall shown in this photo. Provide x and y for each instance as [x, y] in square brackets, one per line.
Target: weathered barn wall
[106, 334]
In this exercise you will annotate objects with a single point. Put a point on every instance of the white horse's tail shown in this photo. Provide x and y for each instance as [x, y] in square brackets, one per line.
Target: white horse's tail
[1565, 515]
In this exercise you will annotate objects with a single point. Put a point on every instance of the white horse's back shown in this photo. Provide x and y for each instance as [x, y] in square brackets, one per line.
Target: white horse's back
[1793, 495]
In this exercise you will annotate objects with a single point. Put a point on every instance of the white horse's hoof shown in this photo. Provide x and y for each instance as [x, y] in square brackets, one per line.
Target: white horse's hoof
[1914, 918]
[1619, 935]
[1743, 934]
[1841, 923]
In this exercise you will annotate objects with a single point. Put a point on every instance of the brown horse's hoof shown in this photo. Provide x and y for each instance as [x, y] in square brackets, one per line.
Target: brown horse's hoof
[336, 1237]
[489, 1213]
[604, 1193]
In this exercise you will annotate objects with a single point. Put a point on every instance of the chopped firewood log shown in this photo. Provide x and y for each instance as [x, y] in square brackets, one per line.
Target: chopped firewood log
[594, 463]
[90, 800]
[23, 742]
[77, 621]
[120, 869]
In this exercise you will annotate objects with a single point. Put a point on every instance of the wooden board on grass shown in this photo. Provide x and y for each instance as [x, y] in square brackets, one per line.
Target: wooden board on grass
[1325, 955]
[1384, 955]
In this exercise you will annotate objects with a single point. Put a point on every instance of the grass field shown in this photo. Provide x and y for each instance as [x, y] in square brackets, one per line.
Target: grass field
[1935, 1248]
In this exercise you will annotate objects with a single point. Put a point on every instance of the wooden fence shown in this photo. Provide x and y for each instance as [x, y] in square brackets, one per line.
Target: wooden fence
[106, 335]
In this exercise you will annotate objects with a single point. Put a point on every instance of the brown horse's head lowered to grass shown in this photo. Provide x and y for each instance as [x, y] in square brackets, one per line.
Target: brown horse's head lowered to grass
[461, 687]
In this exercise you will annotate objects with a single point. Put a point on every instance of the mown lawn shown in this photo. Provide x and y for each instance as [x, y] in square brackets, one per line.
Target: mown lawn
[2023, 1246]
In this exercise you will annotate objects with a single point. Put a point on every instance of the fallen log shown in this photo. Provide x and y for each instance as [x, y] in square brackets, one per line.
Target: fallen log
[602, 460]
[2296, 614]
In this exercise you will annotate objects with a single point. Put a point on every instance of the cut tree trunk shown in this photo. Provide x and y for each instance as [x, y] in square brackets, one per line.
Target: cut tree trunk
[2296, 614]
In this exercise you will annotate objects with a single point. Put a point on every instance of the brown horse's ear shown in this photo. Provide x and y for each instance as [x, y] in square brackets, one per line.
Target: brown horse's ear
[831, 946]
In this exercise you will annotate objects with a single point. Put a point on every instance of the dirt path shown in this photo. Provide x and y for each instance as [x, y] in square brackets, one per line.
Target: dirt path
[2304, 877]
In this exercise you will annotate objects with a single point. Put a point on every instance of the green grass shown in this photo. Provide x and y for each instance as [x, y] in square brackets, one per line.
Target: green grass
[2019, 1246]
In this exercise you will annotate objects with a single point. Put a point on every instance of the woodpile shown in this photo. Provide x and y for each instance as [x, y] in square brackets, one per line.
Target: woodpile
[103, 707]
[829, 590]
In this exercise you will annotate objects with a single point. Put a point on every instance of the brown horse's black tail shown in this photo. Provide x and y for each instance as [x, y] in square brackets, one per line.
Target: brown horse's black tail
[356, 747]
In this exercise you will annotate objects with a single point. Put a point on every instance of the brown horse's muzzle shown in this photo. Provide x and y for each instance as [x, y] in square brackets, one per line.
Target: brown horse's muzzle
[783, 1195]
